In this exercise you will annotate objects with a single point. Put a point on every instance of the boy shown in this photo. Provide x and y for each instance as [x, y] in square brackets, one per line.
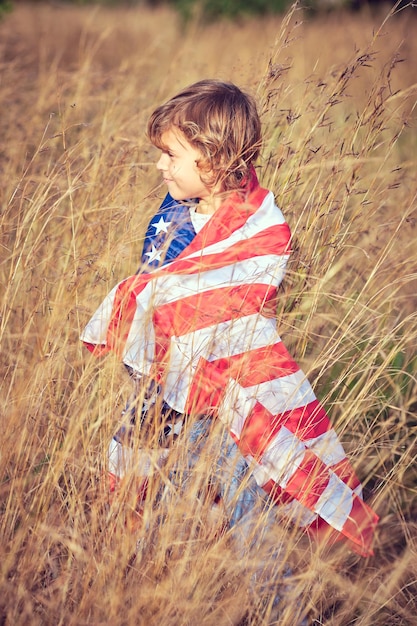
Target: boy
[193, 328]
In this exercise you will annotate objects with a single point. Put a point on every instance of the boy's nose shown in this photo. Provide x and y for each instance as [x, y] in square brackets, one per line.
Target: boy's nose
[162, 162]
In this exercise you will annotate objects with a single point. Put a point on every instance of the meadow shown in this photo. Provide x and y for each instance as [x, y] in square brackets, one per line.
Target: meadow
[337, 95]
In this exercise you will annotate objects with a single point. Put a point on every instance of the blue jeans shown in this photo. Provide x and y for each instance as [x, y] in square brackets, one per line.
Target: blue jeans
[251, 518]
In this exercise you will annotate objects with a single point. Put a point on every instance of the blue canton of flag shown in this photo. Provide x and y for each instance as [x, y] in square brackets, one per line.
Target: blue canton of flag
[169, 232]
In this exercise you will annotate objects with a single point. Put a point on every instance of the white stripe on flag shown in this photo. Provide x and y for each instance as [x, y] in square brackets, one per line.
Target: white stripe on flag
[335, 503]
[264, 270]
[235, 407]
[283, 456]
[285, 393]
[327, 447]
[96, 330]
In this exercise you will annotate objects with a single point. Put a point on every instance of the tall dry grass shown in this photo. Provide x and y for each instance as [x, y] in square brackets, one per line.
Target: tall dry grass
[78, 182]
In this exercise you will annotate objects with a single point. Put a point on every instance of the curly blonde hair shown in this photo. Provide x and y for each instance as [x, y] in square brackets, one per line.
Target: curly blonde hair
[219, 120]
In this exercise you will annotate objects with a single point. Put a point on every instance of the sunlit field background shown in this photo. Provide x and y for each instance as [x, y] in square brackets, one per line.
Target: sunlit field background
[337, 95]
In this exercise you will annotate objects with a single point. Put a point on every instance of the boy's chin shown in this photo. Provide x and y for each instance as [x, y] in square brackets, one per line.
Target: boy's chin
[177, 196]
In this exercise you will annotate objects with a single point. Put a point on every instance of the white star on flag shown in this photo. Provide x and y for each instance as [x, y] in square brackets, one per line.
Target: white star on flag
[154, 254]
[161, 226]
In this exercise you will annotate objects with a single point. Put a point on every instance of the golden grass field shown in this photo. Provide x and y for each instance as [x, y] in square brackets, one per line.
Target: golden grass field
[338, 103]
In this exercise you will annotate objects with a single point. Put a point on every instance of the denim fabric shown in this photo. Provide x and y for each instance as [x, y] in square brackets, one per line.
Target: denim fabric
[251, 517]
[229, 471]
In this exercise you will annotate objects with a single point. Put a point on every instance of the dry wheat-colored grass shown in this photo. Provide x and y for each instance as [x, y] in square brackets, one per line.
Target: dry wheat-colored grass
[338, 105]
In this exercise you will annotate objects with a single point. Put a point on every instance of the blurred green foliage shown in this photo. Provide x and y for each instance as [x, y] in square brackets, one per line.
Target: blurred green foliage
[5, 7]
[214, 9]
[187, 9]
[211, 10]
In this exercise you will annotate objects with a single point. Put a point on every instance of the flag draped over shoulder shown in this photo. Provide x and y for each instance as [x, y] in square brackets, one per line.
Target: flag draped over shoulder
[198, 325]
[169, 232]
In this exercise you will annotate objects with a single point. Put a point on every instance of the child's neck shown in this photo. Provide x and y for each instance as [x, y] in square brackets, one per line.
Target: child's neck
[210, 204]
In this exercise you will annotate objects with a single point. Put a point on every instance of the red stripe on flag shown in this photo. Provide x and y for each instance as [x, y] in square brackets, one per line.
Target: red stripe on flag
[358, 530]
[230, 216]
[250, 368]
[260, 365]
[274, 240]
[307, 422]
[309, 481]
[97, 349]
[211, 307]
[277, 493]
[259, 429]
[124, 308]
[206, 390]
[360, 526]
[261, 426]
[346, 473]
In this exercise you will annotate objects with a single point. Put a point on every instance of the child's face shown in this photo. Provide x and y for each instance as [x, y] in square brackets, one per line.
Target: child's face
[178, 165]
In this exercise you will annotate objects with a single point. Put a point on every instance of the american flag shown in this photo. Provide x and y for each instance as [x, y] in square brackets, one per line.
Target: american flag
[198, 325]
